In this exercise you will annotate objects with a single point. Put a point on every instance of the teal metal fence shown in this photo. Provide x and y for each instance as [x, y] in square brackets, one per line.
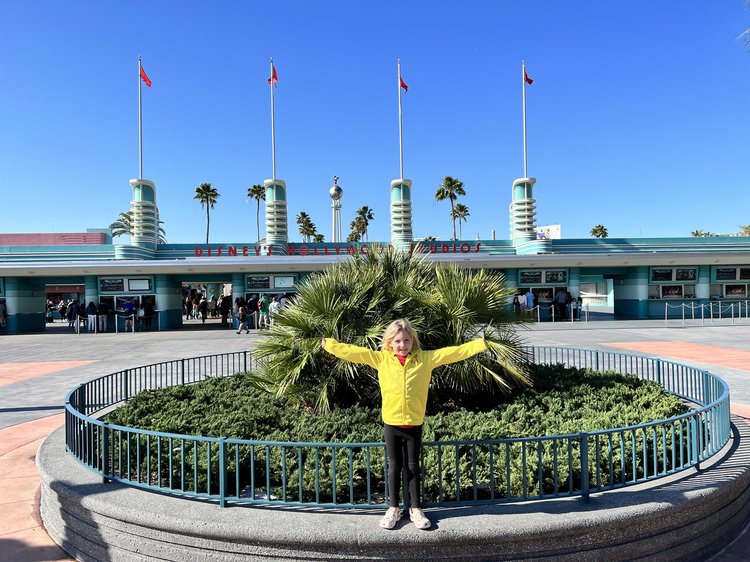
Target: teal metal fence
[353, 474]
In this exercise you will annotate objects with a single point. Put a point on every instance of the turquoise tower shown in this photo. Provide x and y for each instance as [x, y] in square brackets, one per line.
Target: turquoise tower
[401, 230]
[144, 235]
[277, 234]
[523, 218]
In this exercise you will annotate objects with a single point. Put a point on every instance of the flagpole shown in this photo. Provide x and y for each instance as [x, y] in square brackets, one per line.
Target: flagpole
[273, 126]
[523, 86]
[400, 123]
[140, 123]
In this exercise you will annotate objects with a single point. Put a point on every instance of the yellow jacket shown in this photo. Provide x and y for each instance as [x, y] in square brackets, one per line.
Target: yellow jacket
[404, 388]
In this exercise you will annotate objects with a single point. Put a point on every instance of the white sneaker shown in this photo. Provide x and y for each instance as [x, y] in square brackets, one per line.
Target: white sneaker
[419, 519]
[390, 518]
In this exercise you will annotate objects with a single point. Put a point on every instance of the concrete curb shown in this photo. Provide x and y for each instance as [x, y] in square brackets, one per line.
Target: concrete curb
[686, 517]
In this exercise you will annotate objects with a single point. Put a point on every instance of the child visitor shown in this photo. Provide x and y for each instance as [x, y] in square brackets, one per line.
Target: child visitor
[404, 372]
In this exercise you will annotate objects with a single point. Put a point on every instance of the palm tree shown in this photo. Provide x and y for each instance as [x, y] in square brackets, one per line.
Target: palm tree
[365, 213]
[744, 230]
[207, 196]
[306, 226]
[319, 237]
[257, 192]
[351, 302]
[460, 213]
[599, 231]
[358, 228]
[124, 226]
[450, 189]
[429, 239]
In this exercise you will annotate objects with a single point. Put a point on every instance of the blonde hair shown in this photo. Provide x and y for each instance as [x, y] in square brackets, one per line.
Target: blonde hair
[394, 328]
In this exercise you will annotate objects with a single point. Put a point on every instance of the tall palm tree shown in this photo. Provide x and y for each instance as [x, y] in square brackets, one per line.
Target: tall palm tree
[599, 231]
[319, 237]
[460, 213]
[450, 189]
[257, 192]
[124, 226]
[365, 213]
[207, 196]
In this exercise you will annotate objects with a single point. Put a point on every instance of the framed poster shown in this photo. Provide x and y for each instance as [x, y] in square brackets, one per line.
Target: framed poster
[112, 285]
[556, 277]
[257, 282]
[671, 291]
[735, 291]
[690, 274]
[531, 277]
[726, 273]
[283, 281]
[660, 275]
[139, 284]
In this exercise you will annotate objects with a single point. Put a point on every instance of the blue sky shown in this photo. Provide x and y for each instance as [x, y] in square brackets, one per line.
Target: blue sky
[637, 117]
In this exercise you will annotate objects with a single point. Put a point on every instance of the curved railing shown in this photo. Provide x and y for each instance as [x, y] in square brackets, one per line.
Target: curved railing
[352, 474]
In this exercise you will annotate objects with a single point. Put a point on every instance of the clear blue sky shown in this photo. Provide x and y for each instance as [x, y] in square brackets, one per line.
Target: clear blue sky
[637, 118]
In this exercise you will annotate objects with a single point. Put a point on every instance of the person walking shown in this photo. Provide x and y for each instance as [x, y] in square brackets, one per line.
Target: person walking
[242, 319]
[404, 373]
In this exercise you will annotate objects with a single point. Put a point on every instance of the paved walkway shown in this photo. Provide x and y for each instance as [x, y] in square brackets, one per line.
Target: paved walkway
[36, 371]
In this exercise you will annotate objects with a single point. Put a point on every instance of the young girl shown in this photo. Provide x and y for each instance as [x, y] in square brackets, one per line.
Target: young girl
[404, 372]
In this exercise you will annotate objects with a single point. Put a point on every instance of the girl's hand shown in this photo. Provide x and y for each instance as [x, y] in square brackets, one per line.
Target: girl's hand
[324, 343]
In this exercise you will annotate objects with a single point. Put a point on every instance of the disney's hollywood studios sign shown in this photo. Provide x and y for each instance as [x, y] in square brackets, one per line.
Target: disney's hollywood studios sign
[332, 250]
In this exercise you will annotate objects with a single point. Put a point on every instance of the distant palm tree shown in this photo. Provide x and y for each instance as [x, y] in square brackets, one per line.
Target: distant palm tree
[450, 189]
[701, 233]
[257, 192]
[460, 213]
[429, 239]
[744, 230]
[599, 231]
[319, 237]
[358, 229]
[306, 226]
[207, 196]
[124, 226]
[365, 213]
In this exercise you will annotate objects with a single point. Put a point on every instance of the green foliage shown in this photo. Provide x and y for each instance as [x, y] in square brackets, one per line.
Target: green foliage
[355, 300]
[563, 401]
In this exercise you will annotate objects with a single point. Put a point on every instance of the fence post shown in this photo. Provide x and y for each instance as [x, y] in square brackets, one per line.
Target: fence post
[82, 399]
[105, 452]
[182, 372]
[125, 384]
[658, 372]
[584, 442]
[223, 473]
[695, 438]
[244, 369]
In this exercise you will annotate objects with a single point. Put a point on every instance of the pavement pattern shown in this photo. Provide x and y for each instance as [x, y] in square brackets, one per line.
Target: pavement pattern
[37, 370]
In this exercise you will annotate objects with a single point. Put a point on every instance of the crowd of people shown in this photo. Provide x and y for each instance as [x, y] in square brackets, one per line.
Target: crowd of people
[257, 312]
[98, 318]
[566, 306]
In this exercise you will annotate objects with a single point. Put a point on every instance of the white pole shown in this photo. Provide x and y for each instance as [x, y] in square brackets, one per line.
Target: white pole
[523, 86]
[400, 125]
[140, 124]
[273, 127]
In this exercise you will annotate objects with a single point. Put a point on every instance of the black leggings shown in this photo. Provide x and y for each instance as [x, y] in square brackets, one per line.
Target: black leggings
[403, 443]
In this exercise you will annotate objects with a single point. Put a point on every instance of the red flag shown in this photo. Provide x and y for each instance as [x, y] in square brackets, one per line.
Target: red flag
[403, 84]
[145, 78]
[274, 79]
[526, 77]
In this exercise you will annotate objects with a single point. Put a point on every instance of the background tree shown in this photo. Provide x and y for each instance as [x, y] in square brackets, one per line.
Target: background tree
[599, 231]
[450, 189]
[745, 230]
[460, 213]
[124, 226]
[319, 237]
[306, 226]
[357, 229]
[365, 213]
[207, 197]
[351, 302]
[701, 234]
[429, 239]
[257, 192]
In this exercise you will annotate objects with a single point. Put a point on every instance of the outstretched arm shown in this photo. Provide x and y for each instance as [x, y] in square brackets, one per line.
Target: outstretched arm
[455, 353]
[352, 353]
